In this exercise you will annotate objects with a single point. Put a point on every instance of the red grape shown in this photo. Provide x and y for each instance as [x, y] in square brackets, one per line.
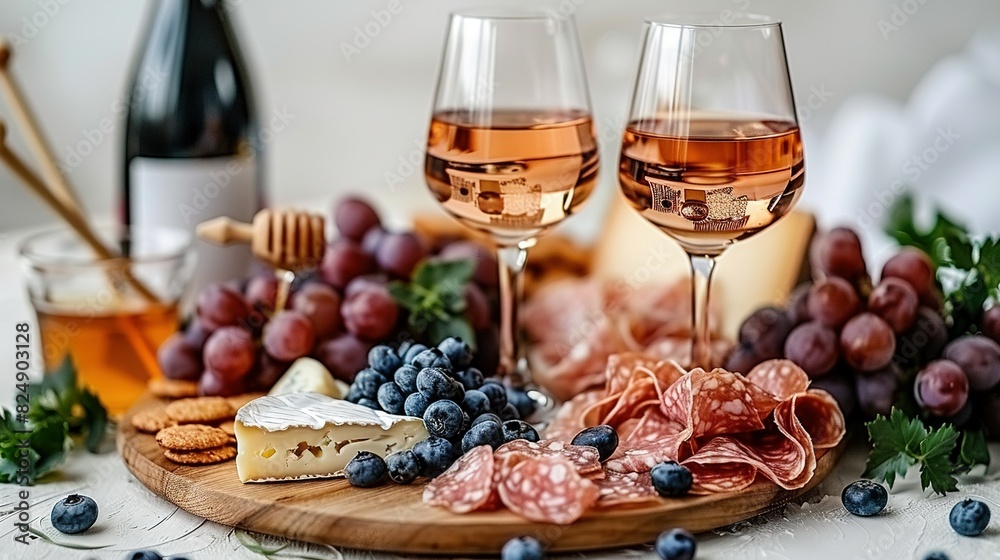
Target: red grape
[266, 373]
[370, 313]
[979, 358]
[867, 342]
[914, 267]
[354, 217]
[833, 301]
[924, 341]
[765, 331]
[989, 412]
[230, 352]
[344, 355]
[838, 253]
[941, 388]
[262, 291]
[895, 301]
[990, 324]
[486, 273]
[343, 261]
[178, 359]
[321, 305]
[877, 391]
[289, 335]
[196, 334]
[813, 346]
[477, 307]
[798, 305]
[220, 305]
[214, 384]
[399, 253]
[742, 360]
[358, 284]
[840, 385]
[372, 240]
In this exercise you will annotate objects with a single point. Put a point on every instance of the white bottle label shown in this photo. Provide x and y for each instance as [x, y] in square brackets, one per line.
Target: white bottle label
[183, 193]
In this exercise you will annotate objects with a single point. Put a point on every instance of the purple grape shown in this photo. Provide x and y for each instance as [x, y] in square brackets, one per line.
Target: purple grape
[354, 218]
[486, 273]
[214, 384]
[358, 284]
[178, 359]
[979, 358]
[266, 373]
[924, 341]
[914, 267]
[833, 301]
[877, 391]
[344, 355]
[399, 253]
[477, 307]
[742, 360]
[813, 347]
[798, 305]
[230, 352]
[262, 292]
[867, 342]
[941, 388]
[371, 313]
[321, 305]
[343, 261]
[196, 334]
[989, 412]
[221, 305]
[765, 331]
[990, 323]
[896, 302]
[372, 240]
[840, 385]
[289, 335]
[837, 253]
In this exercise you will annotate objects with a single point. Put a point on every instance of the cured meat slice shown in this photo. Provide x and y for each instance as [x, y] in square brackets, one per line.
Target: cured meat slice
[626, 489]
[466, 485]
[585, 459]
[643, 456]
[781, 378]
[820, 415]
[722, 477]
[547, 490]
[716, 402]
[569, 420]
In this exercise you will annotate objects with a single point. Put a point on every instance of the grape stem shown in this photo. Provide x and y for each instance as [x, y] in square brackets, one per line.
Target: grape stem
[702, 267]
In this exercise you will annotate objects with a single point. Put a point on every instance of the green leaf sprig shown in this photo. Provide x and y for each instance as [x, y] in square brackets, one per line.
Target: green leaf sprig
[968, 266]
[899, 442]
[435, 299]
[59, 411]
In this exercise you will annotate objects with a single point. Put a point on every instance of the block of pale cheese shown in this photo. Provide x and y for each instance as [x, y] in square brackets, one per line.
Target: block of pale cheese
[309, 435]
[307, 375]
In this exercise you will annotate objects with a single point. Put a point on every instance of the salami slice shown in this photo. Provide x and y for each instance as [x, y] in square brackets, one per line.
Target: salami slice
[466, 486]
[585, 459]
[716, 402]
[619, 489]
[569, 420]
[723, 477]
[547, 490]
[781, 378]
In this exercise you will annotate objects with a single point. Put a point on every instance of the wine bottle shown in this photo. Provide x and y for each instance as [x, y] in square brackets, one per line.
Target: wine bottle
[191, 148]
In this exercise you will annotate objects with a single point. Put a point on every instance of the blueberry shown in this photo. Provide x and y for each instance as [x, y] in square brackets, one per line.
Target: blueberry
[434, 384]
[671, 479]
[456, 392]
[406, 378]
[524, 404]
[518, 429]
[969, 517]
[404, 347]
[509, 412]
[391, 398]
[496, 393]
[603, 437]
[74, 514]
[383, 359]
[936, 555]
[412, 352]
[444, 419]
[475, 403]
[488, 417]
[458, 352]
[675, 544]
[366, 470]
[415, 405]
[483, 433]
[403, 466]
[365, 401]
[864, 498]
[431, 357]
[435, 455]
[145, 555]
[354, 394]
[368, 381]
[470, 378]
[522, 548]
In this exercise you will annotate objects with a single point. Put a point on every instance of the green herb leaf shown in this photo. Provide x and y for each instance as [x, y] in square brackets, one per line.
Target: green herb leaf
[935, 460]
[973, 450]
[894, 441]
[435, 300]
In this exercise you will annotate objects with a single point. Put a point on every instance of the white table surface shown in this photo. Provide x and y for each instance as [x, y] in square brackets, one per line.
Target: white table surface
[132, 517]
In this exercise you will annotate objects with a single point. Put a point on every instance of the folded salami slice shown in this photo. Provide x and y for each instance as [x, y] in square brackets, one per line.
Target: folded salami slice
[620, 489]
[585, 459]
[547, 489]
[466, 485]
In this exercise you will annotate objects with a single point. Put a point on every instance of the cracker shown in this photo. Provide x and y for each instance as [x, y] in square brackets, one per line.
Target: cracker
[152, 421]
[191, 437]
[237, 401]
[173, 388]
[200, 410]
[201, 457]
[229, 426]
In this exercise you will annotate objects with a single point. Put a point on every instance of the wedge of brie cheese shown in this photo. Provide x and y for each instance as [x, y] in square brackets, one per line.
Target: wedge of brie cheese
[309, 435]
[307, 375]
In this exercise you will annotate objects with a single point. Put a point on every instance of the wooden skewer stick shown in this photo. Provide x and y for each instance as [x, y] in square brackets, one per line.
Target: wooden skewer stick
[26, 120]
[74, 219]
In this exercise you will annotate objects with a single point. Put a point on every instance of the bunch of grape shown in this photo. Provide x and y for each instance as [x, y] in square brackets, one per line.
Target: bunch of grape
[873, 346]
[440, 385]
[239, 342]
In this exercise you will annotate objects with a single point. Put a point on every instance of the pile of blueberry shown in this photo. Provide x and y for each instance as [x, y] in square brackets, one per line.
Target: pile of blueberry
[460, 408]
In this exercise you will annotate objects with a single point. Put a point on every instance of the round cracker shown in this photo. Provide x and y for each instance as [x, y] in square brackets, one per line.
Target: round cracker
[152, 421]
[173, 388]
[201, 457]
[191, 437]
[201, 410]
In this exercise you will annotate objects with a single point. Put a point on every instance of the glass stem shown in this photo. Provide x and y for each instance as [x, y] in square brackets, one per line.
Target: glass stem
[701, 281]
[512, 367]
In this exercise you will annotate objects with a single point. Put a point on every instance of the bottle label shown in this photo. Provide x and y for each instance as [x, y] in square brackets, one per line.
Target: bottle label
[182, 193]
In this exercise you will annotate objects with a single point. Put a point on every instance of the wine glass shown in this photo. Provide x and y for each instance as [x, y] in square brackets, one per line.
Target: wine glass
[511, 150]
[711, 153]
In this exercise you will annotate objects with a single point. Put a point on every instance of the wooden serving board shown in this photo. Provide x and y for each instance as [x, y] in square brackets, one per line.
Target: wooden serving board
[393, 518]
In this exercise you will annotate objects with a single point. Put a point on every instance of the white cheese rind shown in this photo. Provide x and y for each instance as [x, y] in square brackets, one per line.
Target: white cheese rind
[308, 435]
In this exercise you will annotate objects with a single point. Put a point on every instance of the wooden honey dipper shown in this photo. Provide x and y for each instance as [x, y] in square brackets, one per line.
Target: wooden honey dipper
[289, 240]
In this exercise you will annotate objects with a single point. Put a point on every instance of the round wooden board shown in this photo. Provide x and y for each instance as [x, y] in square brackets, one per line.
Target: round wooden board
[392, 518]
